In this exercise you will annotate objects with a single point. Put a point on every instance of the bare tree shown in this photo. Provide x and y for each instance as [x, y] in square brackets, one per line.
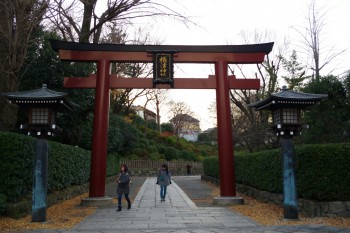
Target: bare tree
[313, 40]
[123, 99]
[181, 115]
[249, 125]
[18, 19]
[149, 96]
[84, 20]
[159, 98]
[156, 97]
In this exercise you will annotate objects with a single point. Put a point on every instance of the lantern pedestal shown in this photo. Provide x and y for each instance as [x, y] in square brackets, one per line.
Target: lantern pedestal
[39, 197]
[290, 201]
[223, 201]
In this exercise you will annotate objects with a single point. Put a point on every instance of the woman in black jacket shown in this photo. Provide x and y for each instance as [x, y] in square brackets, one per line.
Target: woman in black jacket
[123, 186]
[163, 180]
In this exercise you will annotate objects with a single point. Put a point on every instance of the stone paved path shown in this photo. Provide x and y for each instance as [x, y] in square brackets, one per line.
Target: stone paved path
[177, 214]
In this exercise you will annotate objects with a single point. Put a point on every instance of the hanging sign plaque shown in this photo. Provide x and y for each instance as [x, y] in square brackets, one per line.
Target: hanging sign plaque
[163, 68]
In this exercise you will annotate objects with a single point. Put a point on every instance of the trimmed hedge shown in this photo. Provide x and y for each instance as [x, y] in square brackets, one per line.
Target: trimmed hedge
[322, 171]
[16, 165]
[68, 165]
[261, 170]
[211, 167]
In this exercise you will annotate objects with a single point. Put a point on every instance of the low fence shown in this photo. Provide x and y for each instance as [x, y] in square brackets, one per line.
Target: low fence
[150, 167]
[150, 164]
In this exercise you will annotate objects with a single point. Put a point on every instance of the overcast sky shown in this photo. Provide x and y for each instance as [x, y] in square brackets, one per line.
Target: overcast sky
[222, 22]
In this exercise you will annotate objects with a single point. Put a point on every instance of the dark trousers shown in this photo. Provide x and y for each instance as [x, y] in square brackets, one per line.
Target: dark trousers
[162, 191]
[120, 195]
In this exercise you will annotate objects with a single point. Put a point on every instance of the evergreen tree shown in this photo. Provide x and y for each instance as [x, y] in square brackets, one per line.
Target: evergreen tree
[42, 66]
[329, 121]
[296, 72]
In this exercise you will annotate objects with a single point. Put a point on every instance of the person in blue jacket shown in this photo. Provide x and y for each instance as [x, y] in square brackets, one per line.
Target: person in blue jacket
[123, 187]
[163, 180]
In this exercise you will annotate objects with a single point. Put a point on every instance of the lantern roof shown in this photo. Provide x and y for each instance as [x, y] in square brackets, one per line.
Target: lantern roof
[288, 98]
[42, 96]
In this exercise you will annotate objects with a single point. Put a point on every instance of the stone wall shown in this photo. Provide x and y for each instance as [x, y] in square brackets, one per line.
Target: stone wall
[310, 208]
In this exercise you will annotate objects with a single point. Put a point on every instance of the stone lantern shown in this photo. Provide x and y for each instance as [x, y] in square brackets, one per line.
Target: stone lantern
[286, 107]
[42, 106]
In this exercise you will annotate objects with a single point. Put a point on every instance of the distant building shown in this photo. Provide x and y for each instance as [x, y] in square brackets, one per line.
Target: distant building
[144, 113]
[186, 127]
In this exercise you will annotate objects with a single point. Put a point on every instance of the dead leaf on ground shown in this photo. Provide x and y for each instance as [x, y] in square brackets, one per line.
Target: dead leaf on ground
[272, 215]
[64, 215]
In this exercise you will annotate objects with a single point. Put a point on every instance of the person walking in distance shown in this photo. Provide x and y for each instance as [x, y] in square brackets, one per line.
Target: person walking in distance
[163, 180]
[188, 168]
[123, 187]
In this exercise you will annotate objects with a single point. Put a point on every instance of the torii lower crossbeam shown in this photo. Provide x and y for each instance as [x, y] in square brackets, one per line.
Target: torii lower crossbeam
[146, 83]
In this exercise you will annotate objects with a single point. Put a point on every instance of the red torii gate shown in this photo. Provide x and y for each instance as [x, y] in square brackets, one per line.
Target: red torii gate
[103, 81]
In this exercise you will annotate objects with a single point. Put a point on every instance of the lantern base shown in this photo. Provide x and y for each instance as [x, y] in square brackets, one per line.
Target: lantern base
[223, 201]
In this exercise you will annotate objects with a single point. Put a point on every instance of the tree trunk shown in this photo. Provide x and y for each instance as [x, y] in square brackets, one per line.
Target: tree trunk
[17, 21]
[85, 28]
[8, 112]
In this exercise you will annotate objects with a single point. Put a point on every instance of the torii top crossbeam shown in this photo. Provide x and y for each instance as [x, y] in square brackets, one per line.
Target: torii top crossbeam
[232, 54]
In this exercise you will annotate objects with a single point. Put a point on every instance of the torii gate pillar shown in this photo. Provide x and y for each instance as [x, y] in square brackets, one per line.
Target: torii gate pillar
[227, 187]
[100, 132]
[225, 138]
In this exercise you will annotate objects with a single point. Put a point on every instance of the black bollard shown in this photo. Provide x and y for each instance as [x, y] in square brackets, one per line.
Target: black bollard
[39, 200]
[290, 204]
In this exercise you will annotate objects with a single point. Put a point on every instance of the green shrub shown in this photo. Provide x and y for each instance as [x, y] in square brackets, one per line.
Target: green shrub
[155, 156]
[112, 164]
[322, 171]
[187, 155]
[67, 165]
[261, 170]
[170, 140]
[143, 143]
[2, 204]
[211, 167]
[171, 153]
[122, 136]
[16, 165]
